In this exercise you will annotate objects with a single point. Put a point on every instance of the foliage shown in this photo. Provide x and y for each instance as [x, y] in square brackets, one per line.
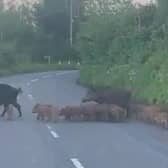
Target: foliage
[27, 35]
[53, 21]
[126, 48]
[14, 32]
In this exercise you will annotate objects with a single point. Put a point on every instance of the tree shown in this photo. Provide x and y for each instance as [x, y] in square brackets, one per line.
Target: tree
[16, 36]
[52, 17]
[106, 32]
[162, 14]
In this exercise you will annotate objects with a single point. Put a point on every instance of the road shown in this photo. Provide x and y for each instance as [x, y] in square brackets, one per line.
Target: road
[27, 143]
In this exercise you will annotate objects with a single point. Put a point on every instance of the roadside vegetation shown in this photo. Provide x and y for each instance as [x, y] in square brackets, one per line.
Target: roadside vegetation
[117, 43]
[29, 35]
[126, 47]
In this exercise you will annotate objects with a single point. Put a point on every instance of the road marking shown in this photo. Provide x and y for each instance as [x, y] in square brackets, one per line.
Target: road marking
[48, 127]
[46, 76]
[30, 96]
[54, 134]
[62, 73]
[76, 163]
[34, 80]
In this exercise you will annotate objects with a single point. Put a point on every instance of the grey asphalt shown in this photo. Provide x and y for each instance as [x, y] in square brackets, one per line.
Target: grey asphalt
[27, 143]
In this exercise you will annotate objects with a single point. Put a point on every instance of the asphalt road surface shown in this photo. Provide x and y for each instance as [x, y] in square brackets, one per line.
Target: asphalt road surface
[27, 143]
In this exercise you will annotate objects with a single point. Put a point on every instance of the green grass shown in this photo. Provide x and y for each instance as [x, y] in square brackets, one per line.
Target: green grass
[102, 76]
[146, 81]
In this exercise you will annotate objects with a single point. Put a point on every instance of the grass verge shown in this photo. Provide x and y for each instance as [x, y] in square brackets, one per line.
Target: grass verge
[148, 82]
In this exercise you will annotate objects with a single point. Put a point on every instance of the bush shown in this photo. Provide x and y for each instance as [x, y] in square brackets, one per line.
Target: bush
[148, 81]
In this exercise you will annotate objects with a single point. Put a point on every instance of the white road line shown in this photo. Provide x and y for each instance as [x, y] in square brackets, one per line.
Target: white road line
[54, 134]
[30, 96]
[46, 76]
[62, 73]
[76, 163]
[48, 127]
[34, 80]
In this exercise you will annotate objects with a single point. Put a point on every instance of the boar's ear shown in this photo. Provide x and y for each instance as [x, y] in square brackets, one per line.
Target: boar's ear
[36, 105]
[34, 108]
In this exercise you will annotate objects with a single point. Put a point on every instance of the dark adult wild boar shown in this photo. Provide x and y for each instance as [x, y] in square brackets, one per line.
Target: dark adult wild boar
[118, 97]
[8, 95]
